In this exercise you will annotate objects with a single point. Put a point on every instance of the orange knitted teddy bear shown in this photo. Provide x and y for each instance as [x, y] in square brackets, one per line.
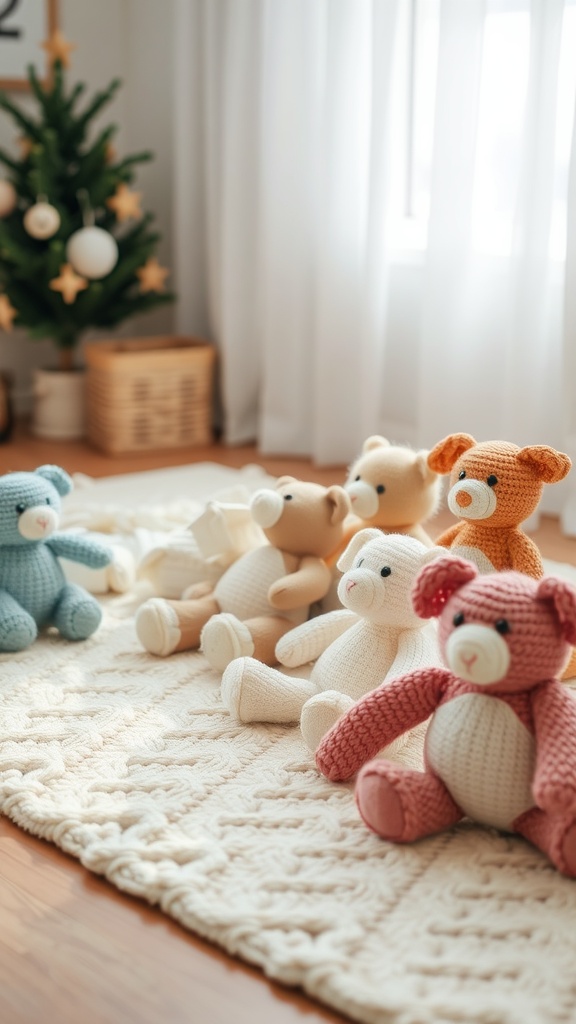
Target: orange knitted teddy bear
[494, 487]
[501, 744]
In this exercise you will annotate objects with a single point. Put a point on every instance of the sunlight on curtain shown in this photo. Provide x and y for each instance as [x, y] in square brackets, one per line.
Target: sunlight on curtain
[384, 189]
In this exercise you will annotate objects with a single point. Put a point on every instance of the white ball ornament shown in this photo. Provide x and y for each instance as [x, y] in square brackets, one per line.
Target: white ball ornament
[42, 220]
[8, 197]
[92, 252]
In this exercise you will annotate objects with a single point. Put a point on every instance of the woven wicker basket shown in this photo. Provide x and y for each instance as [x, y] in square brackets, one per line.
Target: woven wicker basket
[149, 393]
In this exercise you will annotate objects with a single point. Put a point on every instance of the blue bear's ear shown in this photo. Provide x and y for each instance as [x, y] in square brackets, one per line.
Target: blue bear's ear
[58, 477]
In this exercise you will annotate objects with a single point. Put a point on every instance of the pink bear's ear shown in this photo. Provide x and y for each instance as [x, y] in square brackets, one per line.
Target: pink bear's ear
[436, 582]
[563, 596]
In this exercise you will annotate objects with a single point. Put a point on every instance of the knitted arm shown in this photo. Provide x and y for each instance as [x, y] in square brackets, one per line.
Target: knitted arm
[309, 583]
[416, 647]
[307, 642]
[79, 548]
[524, 555]
[554, 710]
[447, 537]
[377, 719]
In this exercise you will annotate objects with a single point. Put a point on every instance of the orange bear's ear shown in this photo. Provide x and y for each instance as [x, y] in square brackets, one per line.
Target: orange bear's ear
[447, 452]
[549, 465]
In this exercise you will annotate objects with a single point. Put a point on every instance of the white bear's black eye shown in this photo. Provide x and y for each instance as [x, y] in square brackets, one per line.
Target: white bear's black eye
[380, 489]
[502, 626]
[462, 474]
[458, 619]
[359, 563]
[492, 480]
[287, 497]
[385, 571]
[356, 478]
[20, 508]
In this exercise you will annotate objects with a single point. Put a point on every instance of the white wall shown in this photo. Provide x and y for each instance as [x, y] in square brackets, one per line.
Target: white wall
[133, 40]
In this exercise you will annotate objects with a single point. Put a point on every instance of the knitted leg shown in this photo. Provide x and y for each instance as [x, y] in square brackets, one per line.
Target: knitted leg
[225, 638]
[320, 713]
[77, 614]
[555, 835]
[253, 692]
[164, 627]
[17, 628]
[401, 805]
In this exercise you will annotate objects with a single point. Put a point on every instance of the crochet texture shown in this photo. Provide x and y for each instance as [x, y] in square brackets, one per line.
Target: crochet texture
[130, 764]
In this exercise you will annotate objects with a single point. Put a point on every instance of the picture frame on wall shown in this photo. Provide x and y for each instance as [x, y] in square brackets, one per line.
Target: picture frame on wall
[24, 26]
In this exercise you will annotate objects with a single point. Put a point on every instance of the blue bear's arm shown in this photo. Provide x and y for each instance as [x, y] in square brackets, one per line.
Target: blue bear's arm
[79, 548]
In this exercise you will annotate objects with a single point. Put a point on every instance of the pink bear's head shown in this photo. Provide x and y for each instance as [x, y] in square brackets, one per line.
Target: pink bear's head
[502, 631]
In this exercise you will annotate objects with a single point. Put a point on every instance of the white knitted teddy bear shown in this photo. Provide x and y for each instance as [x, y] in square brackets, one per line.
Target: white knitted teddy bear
[375, 637]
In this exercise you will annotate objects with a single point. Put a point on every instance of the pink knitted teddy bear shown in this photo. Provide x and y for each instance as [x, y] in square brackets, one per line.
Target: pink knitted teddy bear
[501, 744]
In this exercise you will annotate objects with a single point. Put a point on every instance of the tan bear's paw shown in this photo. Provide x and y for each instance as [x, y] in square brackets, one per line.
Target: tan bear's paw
[225, 638]
[157, 627]
[320, 713]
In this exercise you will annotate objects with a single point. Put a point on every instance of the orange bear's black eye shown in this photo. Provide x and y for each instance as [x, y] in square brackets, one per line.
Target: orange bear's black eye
[380, 489]
[462, 474]
[492, 480]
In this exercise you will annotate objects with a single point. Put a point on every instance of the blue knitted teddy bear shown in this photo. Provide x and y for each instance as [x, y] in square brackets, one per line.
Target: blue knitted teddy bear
[33, 589]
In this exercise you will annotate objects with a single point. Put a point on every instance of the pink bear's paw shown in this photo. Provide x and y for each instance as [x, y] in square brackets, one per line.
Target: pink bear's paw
[378, 802]
[402, 805]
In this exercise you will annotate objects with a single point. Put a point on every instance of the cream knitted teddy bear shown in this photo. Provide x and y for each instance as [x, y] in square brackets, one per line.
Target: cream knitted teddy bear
[374, 637]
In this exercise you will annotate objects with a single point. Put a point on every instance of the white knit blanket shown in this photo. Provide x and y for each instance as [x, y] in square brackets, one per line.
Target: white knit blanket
[130, 764]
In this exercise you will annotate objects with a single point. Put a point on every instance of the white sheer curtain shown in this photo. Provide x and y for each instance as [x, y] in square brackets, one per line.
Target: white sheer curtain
[372, 196]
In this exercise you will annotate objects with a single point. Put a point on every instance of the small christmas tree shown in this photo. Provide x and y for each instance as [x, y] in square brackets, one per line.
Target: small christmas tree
[76, 251]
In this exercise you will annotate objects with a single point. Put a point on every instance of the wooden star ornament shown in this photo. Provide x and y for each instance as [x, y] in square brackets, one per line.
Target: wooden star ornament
[125, 203]
[7, 312]
[69, 283]
[58, 48]
[25, 145]
[152, 276]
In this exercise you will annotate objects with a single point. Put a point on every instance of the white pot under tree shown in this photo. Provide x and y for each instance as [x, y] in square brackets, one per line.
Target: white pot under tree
[59, 409]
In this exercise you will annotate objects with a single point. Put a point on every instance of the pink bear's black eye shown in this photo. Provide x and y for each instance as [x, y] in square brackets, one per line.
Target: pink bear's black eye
[502, 626]
[458, 619]
[380, 489]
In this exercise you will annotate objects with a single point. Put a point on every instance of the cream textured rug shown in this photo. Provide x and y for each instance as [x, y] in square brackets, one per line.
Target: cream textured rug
[130, 764]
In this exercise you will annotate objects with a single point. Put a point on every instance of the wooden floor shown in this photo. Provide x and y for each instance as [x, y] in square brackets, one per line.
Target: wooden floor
[73, 949]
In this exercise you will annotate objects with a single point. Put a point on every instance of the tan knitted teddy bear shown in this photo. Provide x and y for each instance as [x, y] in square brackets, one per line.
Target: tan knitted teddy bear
[267, 591]
[375, 637]
[392, 487]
